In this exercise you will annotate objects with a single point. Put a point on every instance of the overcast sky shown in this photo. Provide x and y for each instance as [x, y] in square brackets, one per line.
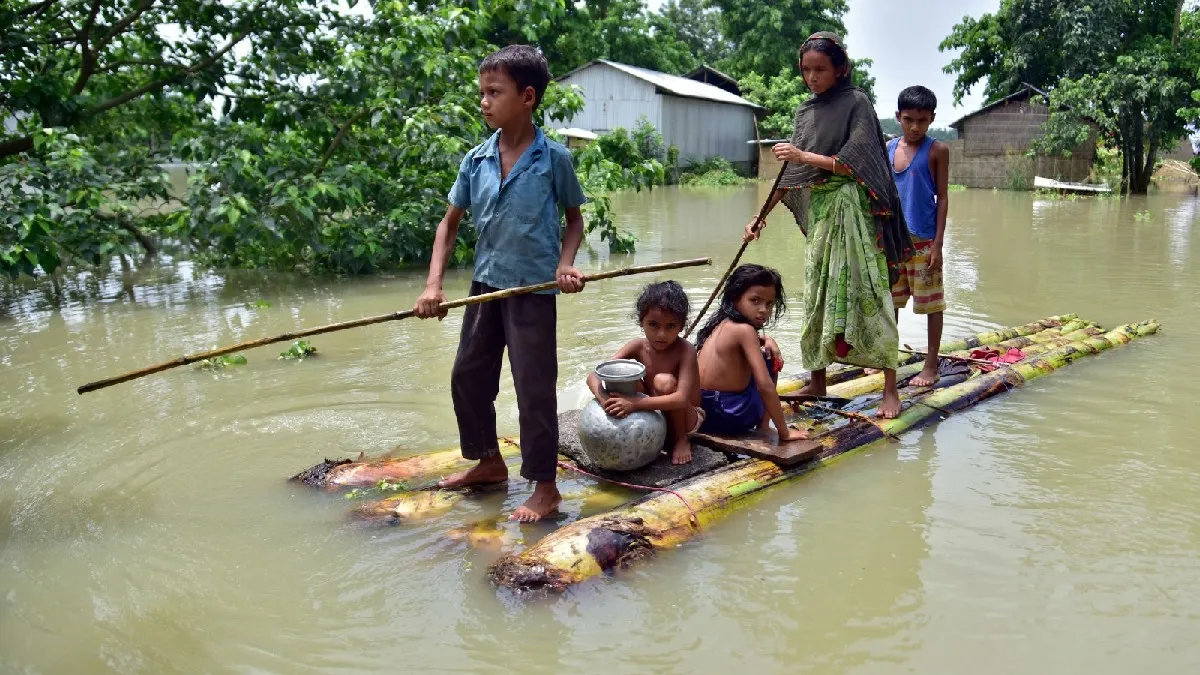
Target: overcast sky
[902, 37]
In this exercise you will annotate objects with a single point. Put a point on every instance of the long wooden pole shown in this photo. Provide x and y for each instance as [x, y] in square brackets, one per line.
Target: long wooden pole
[758, 223]
[367, 321]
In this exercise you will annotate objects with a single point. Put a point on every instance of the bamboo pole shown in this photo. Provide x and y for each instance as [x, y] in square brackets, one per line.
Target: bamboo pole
[758, 223]
[616, 540]
[367, 321]
[420, 470]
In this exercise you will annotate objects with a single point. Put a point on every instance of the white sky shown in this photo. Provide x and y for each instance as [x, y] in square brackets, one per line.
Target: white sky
[902, 37]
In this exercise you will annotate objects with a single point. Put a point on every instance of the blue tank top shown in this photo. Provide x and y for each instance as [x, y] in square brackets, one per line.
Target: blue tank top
[918, 195]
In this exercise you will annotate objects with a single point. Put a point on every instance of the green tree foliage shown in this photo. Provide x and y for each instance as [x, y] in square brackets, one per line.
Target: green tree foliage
[619, 160]
[764, 36]
[1131, 68]
[619, 30]
[697, 24]
[331, 149]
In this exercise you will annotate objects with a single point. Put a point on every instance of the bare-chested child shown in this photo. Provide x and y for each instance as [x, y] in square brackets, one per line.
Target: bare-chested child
[672, 381]
[738, 369]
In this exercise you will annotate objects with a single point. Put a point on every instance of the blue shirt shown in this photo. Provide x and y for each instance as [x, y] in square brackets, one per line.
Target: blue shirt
[517, 219]
[918, 194]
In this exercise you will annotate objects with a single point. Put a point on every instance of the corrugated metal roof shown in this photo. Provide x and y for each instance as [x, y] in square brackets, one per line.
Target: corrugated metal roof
[674, 84]
[1026, 91]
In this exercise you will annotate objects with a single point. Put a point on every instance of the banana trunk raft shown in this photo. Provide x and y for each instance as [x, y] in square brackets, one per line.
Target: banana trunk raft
[618, 539]
[718, 480]
[419, 471]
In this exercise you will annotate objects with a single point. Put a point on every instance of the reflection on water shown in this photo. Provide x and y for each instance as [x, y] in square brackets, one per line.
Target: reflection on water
[148, 528]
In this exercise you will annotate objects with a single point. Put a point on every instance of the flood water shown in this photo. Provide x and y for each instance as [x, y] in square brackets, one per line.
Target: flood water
[149, 528]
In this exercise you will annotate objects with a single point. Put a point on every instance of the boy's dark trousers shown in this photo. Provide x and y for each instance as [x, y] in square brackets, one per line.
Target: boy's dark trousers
[525, 324]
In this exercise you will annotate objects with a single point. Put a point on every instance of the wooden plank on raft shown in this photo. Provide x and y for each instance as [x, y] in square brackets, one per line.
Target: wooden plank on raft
[763, 446]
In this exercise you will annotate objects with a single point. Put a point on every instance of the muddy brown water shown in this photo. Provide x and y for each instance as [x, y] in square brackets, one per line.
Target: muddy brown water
[148, 528]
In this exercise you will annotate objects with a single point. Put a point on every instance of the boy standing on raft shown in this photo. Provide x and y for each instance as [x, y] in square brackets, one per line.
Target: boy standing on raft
[839, 187]
[921, 166]
[513, 184]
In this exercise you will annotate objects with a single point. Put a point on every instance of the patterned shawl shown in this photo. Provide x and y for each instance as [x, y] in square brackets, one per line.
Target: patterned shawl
[841, 123]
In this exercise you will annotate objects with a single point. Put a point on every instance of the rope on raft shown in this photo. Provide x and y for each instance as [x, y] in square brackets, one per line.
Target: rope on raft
[695, 521]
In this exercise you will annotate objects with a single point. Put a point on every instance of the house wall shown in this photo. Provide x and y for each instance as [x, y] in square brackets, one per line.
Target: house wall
[991, 150]
[612, 98]
[703, 129]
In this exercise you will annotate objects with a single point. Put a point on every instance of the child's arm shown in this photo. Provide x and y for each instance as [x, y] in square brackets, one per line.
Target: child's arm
[687, 384]
[570, 196]
[570, 280]
[443, 243]
[939, 158]
[629, 351]
[748, 340]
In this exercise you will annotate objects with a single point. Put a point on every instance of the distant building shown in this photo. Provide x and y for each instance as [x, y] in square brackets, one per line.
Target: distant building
[701, 119]
[993, 141]
[716, 78]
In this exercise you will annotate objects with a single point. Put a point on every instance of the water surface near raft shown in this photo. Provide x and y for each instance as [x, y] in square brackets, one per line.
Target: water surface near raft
[148, 528]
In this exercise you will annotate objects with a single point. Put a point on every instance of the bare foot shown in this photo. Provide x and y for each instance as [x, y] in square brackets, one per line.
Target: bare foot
[812, 389]
[682, 452]
[490, 470]
[890, 407]
[927, 378]
[872, 371]
[543, 502]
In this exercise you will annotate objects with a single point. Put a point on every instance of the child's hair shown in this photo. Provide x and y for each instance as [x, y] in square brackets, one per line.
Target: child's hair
[916, 98]
[739, 282]
[524, 64]
[832, 48]
[667, 296]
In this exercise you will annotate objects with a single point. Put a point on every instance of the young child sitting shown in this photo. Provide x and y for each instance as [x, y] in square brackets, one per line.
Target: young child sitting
[672, 381]
[737, 368]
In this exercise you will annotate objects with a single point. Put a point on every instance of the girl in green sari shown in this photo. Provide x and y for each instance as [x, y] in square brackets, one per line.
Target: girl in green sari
[839, 186]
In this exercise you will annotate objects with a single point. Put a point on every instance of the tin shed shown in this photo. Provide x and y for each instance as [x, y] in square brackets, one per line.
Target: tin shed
[700, 119]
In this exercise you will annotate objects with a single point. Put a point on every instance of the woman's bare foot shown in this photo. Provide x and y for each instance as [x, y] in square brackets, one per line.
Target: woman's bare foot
[890, 407]
[872, 371]
[812, 389]
[543, 502]
[682, 452]
[927, 378]
[489, 470]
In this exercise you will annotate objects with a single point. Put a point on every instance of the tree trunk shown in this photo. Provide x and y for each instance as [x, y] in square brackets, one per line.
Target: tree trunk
[615, 540]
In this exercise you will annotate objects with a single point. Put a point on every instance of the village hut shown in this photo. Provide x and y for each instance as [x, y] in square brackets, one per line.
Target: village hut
[701, 119]
[993, 143]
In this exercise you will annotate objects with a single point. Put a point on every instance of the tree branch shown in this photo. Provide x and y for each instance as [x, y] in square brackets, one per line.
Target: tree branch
[87, 57]
[16, 146]
[146, 242]
[1175, 30]
[337, 140]
[159, 84]
[37, 8]
[123, 23]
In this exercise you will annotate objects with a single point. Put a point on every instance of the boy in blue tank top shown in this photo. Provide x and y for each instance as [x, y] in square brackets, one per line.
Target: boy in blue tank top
[921, 167]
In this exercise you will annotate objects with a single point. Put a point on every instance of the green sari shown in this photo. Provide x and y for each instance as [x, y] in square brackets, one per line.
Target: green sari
[846, 286]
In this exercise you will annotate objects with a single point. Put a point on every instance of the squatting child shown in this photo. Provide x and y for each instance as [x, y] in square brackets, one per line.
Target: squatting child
[672, 380]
